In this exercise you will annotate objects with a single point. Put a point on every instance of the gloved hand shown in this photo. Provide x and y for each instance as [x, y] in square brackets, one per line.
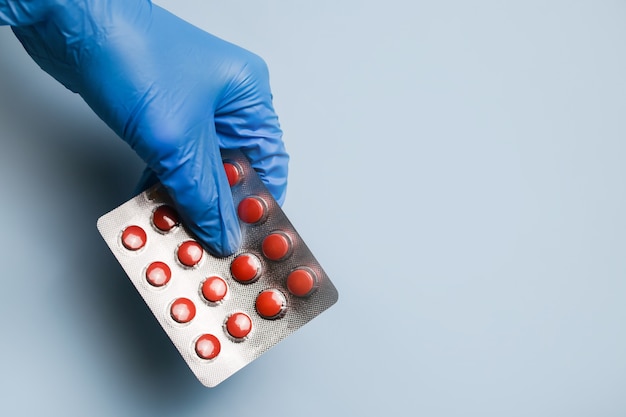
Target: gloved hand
[173, 92]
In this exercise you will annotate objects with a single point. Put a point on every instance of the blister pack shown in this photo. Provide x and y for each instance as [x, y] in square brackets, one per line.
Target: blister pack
[220, 313]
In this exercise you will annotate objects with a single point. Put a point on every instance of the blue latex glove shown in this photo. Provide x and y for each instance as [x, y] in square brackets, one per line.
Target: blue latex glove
[173, 92]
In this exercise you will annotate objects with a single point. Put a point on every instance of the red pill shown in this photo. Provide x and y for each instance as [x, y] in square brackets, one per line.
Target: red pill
[183, 310]
[276, 246]
[245, 268]
[190, 253]
[251, 210]
[208, 346]
[233, 173]
[165, 218]
[158, 274]
[239, 325]
[271, 304]
[301, 282]
[214, 289]
[134, 238]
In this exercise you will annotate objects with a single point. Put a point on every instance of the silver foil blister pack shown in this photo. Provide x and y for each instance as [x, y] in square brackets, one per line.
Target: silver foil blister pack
[220, 313]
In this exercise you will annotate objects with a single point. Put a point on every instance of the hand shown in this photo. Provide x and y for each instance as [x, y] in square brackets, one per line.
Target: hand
[173, 92]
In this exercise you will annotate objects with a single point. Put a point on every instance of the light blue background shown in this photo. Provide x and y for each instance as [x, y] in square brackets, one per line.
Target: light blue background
[457, 167]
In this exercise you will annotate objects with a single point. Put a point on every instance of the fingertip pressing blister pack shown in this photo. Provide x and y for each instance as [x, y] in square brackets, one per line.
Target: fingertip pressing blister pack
[220, 313]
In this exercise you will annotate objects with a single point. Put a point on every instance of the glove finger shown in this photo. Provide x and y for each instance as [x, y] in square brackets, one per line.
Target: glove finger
[245, 119]
[202, 193]
[189, 165]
